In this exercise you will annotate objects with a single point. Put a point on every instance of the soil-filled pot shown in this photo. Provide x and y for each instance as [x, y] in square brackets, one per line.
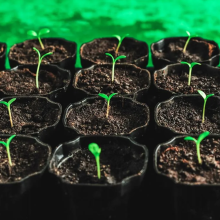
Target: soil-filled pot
[21, 80]
[34, 115]
[183, 115]
[64, 53]
[29, 158]
[173, 80]
[196, 187]
[93, 52]
[129, 80]
[88, 117]
[3, 50]
[170, 50]
[123, 164]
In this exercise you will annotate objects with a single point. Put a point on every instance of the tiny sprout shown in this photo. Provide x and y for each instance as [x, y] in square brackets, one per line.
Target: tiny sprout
[120, 39]
[187, 42]
[96, 150]
[108, 98]
[190, 69]
[8, 104]
[39, 62]
[41, 32]
[205, 97]
[7, 148]
[198, 141]
[113, 63]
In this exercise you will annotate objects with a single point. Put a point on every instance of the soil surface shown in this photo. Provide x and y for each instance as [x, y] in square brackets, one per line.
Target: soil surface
[177, 81]
[180, 162]
[2, 49]
[196, 51]
[91, 118]
[95, 50]
[117, 162]
[185, 115]
[27, 157]
[23, 82]
[99, 80]
[24, 53]
[28, 116]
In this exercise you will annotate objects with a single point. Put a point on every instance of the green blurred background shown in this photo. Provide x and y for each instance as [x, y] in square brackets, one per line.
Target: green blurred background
[83, 20]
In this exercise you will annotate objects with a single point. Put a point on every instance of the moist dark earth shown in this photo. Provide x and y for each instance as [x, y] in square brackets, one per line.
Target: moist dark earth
[179, 162]
[91, 118]
[196, 51]
[24, 53]
[95, 50]
[23, 82]
[28, 116]
[27, 157]
[117, 162]
[184, 115]
[127, 79]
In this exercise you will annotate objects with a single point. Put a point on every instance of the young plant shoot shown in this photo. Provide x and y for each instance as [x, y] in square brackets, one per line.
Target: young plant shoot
[187, 42]
[198, 141]
[41, 32]
[190, 69]
[94, 148]
[205, 97]
[7, 148]
[113, 63]
[108, 98]
[39, 62]
[120, 39]
[8, 104]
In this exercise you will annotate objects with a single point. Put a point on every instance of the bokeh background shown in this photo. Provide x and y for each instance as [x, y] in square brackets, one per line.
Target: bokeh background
[83, 20]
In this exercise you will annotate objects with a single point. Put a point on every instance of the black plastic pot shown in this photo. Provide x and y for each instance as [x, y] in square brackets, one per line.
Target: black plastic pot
[210, 51]
[137, 134]
[190, 201]
[3, 56]
[129, 43]
[56, 95]
[16, 198]
[180, 69]
[45, 134]
[97, 201]
[68, 63]
[167, 132]
[105, 87]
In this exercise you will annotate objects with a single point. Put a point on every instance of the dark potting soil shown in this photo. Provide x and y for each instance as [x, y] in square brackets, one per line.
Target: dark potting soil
[177, 82]
[91, 118]
[180, 162]
[27, 157]
[99, 80]
[196, 51]
[2, 49]
[116, 163]
[23, 81]
[185, 116]
[24, 53]
[96, 50]
[28, 116]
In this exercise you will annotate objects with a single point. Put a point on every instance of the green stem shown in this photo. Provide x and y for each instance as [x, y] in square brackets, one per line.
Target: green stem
[203, 112]
[9, 156]
[113, 70]
[37, 73]
[9, 112]
[184, 49]
[41, 44]
[190, 73]
[98, 167]
[198, 153]
[119, 44]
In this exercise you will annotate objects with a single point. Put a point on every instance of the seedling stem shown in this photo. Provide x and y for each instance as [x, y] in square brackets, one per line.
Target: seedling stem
[120, 39]
[187, 42]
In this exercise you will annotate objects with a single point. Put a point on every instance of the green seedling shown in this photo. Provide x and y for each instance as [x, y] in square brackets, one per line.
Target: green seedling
[39, 62]
[96, 150]
[190, 69]
[41, 32]
[198, 141]
[108, 98]
[7, 148]
[120, 39]
[113, 63]
[205, 97]
[8, 104]
[187, 42]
